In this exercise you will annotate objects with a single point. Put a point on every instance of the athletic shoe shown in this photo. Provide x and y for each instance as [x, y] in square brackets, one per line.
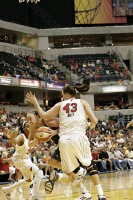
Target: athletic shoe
[79, 176]
[86, 196]
[34, 198]
[7, 194]
[117, 168]
[49, 184]
[102, 198]
[120, 168]
[54, 176]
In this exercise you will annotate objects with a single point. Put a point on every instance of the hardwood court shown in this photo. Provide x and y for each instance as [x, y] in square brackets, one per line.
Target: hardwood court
[117, 186]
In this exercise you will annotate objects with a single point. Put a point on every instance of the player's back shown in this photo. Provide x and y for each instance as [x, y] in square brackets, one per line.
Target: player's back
[72, 117]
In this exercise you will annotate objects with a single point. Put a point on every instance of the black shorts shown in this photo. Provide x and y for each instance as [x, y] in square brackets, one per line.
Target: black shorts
[56, 155]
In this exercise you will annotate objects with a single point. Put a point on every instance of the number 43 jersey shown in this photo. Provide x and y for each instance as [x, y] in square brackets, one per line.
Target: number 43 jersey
[72, 118]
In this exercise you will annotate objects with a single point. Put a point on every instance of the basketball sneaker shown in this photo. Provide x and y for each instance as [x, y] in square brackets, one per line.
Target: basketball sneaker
[102, 197]
[7, 193]
[86, 196]
[34, 198]
[79, 176]
[49, 184]
[54, 176]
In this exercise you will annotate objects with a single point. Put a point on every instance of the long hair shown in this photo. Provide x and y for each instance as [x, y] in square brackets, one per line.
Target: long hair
[70, 90]
[84, 88]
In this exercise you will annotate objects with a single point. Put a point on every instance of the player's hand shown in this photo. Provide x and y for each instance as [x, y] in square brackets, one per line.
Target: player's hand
[55, 132]
[44, 139]
[44, 129]
[7, 133]
[47, 130]
[31, 98]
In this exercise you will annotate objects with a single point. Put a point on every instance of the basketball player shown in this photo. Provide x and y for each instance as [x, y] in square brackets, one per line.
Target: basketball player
[35, 122]
[23, 162]
[73, 143]
[130, 124]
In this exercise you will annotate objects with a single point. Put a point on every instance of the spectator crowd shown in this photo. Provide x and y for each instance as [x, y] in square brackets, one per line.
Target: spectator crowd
[111, 145]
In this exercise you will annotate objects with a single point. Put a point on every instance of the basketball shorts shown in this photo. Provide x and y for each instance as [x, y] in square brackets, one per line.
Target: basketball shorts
[74, 149]
[26, 167]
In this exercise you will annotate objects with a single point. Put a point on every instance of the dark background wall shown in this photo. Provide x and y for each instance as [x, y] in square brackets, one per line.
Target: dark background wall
[46, 14]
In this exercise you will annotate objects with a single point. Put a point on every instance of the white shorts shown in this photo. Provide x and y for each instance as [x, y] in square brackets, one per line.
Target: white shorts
[27, 168]
[74, 149]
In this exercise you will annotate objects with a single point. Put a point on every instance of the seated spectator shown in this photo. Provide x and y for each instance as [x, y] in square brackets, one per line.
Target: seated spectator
[98, 163]
[115, 162]
[103, 155]
[122, 159]
[5, 162]
[129, 155]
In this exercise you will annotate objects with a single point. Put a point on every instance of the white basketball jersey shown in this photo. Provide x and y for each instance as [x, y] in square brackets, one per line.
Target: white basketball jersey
[72, 117]
[22, 151]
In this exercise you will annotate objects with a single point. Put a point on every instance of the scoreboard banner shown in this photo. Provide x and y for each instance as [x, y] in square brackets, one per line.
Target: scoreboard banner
[51, 85]
[29, 83]
[5, 80]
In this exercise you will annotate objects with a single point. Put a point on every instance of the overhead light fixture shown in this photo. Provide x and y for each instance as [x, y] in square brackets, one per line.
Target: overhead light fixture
[31, 1]
[114, 88]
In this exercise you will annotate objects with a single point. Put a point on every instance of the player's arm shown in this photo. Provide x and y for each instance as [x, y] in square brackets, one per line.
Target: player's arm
[32, 140]
[44, 115]
[54, 122]
[129, 124]
[33, 143]
[10, 136]
[89, 114]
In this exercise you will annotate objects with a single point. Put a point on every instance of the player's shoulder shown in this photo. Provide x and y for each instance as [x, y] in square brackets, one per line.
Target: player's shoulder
[83, 101]
[57, 105]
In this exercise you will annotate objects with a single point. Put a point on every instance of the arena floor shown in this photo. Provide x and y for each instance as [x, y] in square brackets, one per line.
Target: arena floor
[117, 186]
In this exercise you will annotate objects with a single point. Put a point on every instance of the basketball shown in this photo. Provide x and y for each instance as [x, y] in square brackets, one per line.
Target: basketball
[42, 135]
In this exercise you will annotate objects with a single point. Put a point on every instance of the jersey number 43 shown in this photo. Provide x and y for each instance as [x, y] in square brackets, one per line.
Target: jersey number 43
[70, 107]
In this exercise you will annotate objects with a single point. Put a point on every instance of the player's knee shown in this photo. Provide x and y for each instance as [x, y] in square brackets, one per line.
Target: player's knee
[52, 161]
[91, 170]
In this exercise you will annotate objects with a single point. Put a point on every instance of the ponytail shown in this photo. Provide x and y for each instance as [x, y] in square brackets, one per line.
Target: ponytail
[84, 88]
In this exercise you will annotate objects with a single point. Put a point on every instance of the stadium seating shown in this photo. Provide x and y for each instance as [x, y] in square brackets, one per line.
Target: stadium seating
[99, 67]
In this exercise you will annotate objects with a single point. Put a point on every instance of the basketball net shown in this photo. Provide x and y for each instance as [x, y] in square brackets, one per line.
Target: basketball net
[31, 1]
[86, 11]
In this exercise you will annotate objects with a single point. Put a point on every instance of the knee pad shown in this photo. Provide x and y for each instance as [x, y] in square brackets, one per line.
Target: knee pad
[91, 170]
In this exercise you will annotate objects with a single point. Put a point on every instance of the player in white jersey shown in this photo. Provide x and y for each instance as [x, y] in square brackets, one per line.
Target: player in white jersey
[74, 145]
[72, 132]
[129, 124]
[22, 161]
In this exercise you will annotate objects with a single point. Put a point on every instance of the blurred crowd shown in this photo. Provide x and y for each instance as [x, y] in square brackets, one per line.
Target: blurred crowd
[111, 145]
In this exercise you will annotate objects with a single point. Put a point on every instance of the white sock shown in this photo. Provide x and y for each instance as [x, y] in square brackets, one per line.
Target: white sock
[83, 189]
[99, 189]
[20, 183]
[36, 182]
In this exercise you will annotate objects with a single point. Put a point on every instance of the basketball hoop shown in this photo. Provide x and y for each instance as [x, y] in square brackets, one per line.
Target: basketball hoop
[31, 1]
[86, 11]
